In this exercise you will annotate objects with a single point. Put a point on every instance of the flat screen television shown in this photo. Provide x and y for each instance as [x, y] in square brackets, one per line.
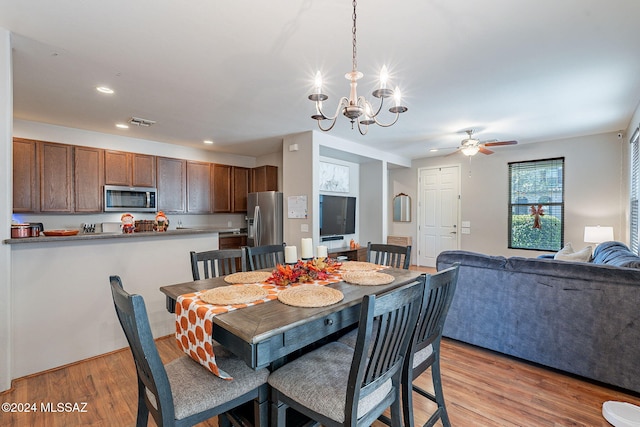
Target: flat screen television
[337, 215]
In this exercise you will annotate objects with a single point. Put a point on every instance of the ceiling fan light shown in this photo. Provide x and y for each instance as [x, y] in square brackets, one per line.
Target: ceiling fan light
[470, 150]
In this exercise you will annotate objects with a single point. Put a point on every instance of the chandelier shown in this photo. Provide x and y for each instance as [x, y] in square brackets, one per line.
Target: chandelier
[357, 109]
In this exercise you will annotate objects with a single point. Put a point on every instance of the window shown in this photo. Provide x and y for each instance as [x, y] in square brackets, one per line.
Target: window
[635, 193]
[536, 204]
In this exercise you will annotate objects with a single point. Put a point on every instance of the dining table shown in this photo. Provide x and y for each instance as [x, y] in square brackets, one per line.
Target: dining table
[263, 335]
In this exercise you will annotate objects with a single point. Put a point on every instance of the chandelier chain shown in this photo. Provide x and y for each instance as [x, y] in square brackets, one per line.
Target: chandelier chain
[355, 50]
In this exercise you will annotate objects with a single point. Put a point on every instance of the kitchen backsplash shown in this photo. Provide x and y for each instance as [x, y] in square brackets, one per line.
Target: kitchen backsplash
[75, 222]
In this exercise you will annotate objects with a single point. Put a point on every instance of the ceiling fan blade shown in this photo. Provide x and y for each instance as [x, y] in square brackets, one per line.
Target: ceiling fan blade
[484, 150]
[493, 144]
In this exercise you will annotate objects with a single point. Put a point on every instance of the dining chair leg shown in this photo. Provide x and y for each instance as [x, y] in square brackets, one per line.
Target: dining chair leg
[278, 414]
[406, 385]
[437, 388]
[261, 407]
[143, 412]
[396, 412]
[223, 420]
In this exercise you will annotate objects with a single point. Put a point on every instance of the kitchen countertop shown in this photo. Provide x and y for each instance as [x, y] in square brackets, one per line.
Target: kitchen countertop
[102, 236]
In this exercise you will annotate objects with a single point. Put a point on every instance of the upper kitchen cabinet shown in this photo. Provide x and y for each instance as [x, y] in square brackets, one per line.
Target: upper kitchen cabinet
[198, 187]
[230, 188]
[88, 179]
[264, 178]
[129, 169]
[25, 176]
[171, 183]
[240, 189]
[56, 177]
[222, 177]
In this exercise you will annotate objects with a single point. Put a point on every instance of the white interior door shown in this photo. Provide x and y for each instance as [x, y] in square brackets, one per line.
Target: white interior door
[438, 212]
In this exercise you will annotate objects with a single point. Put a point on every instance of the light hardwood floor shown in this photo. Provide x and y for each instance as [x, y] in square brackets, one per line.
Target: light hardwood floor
[482, 388]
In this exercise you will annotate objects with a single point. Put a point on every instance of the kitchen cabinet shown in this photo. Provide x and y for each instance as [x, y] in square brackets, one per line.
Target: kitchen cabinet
[240, 189]
[171, 183]
[232, 241]
[56, 177]
[25, 176]
[129, 169]
[264, 178]
[230, 188]
[222, 177]
[198, 187]
[88, 179]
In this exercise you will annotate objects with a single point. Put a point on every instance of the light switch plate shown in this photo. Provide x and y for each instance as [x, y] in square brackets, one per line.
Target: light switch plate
[466, 224]
[466, 230]
[304, 228]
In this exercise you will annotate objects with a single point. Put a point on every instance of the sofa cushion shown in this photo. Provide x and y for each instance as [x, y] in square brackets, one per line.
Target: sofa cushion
[616, 254]
[568, 254]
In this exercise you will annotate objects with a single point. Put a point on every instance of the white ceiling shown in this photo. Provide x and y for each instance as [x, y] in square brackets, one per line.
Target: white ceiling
[239, 72]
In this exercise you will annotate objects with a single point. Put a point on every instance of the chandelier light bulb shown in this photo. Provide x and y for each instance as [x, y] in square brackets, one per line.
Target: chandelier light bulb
[318, 82]
[397, 96]
[384, 76]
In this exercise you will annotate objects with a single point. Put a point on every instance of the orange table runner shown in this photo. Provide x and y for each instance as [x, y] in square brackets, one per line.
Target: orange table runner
[194, 322]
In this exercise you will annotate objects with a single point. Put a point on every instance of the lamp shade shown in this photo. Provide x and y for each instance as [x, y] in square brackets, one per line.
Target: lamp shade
[598, 234]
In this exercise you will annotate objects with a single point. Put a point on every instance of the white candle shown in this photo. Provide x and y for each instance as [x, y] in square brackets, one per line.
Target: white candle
[307, 248]
[321, 251]
[290, 255]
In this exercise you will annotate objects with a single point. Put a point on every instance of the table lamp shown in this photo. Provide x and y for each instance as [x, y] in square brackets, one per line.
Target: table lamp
[597, 234]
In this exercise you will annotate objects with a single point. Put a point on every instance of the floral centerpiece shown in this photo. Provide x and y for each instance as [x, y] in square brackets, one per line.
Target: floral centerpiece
[304, 271]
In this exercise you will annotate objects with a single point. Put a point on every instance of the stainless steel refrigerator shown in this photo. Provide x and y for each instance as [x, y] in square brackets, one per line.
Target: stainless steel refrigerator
[264, 218]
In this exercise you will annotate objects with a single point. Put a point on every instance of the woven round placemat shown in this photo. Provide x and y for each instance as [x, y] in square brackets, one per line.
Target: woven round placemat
[310, 296]
[247, 277]
[236, 294]
[358, 266]
[367, 278]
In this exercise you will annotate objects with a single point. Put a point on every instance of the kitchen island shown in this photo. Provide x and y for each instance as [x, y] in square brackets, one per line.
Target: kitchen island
[61, 305]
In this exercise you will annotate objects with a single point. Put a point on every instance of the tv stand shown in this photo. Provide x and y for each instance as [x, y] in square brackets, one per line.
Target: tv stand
[359, 254]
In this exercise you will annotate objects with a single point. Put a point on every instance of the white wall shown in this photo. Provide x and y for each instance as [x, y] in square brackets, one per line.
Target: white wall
[594, 190]
[6, 203]
[374, 199]
[62, 306]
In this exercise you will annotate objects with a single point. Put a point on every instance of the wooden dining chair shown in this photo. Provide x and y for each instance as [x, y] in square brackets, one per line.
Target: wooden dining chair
[217, 263]
[184, 393]
[336, 385]
[267, 256]
[424, 352]
[390, 255]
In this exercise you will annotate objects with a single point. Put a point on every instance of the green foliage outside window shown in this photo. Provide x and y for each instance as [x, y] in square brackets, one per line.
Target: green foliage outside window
[547, 237]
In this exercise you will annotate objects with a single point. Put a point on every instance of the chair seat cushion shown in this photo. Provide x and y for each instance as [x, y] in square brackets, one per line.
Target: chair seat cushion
[422, 355]
[195, 389]
[324, 390]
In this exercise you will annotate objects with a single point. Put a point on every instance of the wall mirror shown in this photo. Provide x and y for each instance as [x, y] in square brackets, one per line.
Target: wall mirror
[402, 208]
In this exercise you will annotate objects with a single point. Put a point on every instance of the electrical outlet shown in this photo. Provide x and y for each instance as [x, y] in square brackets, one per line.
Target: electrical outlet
[304, 228]
[229, 224]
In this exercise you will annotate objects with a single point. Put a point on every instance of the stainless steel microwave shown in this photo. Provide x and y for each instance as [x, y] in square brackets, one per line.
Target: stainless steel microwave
[130, 199]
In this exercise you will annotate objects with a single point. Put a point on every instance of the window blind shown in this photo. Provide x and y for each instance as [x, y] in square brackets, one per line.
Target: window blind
[635, 193]
[536, 204]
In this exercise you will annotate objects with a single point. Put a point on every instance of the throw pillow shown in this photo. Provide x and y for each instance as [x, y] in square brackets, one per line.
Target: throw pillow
[568, 254]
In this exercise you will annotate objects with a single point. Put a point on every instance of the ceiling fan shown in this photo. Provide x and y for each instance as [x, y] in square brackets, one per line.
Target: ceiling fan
[470, 146]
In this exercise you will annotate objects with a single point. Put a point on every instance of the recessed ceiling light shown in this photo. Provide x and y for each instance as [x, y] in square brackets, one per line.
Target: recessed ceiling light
[433, 150]
[208, 141]
[122, 126]
[104, 89]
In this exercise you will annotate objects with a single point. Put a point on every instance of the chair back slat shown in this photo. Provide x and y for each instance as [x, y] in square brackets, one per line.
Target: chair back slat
[217, 263]
[267, 256]
[133, 318]
[391, 255]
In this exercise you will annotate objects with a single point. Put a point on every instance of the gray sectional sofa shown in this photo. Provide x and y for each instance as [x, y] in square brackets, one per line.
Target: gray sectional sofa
[582, 318]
